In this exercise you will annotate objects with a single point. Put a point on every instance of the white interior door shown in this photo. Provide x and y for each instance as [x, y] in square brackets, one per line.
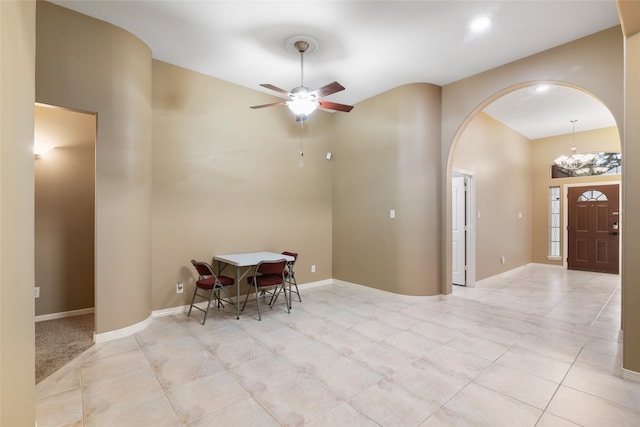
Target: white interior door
[458, 221]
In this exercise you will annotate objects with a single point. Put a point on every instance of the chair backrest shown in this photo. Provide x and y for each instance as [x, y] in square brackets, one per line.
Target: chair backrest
[203, 268]
[292, 254]
[272, 267]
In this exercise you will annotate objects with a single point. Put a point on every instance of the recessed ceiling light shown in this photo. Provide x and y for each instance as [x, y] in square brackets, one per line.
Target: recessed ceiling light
[480, 24]
[542, 88]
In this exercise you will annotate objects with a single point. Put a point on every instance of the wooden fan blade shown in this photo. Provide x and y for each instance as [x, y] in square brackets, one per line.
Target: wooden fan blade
[327, 90]
[275, 89]
[269, 105]
[335, 106]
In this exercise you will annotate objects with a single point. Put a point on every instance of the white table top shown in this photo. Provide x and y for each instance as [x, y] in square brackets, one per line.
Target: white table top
[251, 258]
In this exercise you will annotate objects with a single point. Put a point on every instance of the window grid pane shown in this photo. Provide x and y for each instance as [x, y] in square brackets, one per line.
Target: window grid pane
[554, 221]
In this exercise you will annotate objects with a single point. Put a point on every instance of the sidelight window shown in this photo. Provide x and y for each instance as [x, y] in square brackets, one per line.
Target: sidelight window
[554, 222]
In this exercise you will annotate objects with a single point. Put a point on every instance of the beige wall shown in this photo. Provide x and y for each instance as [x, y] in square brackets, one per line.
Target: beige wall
[544, 151]
[96, 67]
[226, 179]
[499, 159]
[64, 210]
[17, 55]
[631, 194]
[387, 157]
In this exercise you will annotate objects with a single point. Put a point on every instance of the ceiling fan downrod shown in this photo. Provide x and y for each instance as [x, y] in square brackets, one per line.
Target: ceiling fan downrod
[302, 47]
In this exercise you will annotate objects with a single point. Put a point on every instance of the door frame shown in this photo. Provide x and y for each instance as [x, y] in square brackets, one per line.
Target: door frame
[565, 218]
[470, 235]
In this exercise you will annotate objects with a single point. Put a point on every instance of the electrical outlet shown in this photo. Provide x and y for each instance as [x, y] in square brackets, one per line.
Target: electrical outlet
[36, 292]
[179, 288]
[502, 260]
[313, 268]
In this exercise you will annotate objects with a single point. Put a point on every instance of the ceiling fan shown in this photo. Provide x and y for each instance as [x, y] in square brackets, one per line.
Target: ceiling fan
[303, 101]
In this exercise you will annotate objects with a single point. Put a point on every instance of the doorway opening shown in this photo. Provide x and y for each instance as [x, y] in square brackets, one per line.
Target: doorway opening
[64, 234]
[463, 228]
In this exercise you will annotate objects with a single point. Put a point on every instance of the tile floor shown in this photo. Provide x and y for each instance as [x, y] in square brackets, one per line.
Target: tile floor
[536, 346]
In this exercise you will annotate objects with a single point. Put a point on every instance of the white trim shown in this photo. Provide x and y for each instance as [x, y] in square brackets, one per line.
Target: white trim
[130, 330]
[123, 332]
[310, 285]
[630, 375]
[460, 171]
[470, 242]
[184, 308]
[61, 315]
[387, 294]
[174, 310]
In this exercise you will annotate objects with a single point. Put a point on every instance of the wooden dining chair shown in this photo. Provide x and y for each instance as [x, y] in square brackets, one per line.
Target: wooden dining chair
[268, 275]
[209, 281]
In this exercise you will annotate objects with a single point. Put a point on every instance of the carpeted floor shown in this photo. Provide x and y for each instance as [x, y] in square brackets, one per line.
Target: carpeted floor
[59, 341]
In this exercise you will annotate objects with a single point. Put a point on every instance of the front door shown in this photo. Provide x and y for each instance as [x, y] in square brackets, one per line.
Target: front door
[593, 227]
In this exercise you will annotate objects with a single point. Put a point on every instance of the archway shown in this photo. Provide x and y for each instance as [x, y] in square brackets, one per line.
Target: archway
[502, 155]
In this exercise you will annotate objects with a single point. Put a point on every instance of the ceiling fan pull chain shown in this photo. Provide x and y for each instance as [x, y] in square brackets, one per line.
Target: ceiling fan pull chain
[301, 130]
[301, 162]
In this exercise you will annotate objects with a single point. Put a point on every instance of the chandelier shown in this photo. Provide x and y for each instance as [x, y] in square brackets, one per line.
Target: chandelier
[586, 164]
[575, 162]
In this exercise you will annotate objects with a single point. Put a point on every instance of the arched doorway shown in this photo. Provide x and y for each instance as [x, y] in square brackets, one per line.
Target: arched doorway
[509, 144]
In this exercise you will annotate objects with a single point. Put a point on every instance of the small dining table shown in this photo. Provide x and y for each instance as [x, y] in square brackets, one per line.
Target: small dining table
[247, 260]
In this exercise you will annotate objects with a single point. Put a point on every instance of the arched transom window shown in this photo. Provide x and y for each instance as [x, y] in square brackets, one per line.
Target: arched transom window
[592, 196]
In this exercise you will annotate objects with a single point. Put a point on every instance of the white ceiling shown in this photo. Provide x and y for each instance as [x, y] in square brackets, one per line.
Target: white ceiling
[537, 115]
[370, 46]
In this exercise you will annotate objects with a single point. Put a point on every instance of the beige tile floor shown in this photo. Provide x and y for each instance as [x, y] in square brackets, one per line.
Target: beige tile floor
[536, 346]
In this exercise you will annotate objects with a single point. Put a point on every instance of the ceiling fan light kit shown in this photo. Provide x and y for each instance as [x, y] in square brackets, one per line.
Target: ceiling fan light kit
[303, 101]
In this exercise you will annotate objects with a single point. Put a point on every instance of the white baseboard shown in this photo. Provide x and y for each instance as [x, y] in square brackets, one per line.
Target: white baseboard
[630, 375]
[310, 285]
[174, 310]
[61, 315]
[387, 294]
[123, 332]
[203, 304]
[130, 330]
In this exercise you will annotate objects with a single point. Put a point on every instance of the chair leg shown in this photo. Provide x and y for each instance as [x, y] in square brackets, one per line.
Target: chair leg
[218, 300]
[274, 297]
[227, 296]
[206, 312]
[286, 298]
[297, 291]
[293, 282]
[195, 292]
[258, 301]
[246, 298]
